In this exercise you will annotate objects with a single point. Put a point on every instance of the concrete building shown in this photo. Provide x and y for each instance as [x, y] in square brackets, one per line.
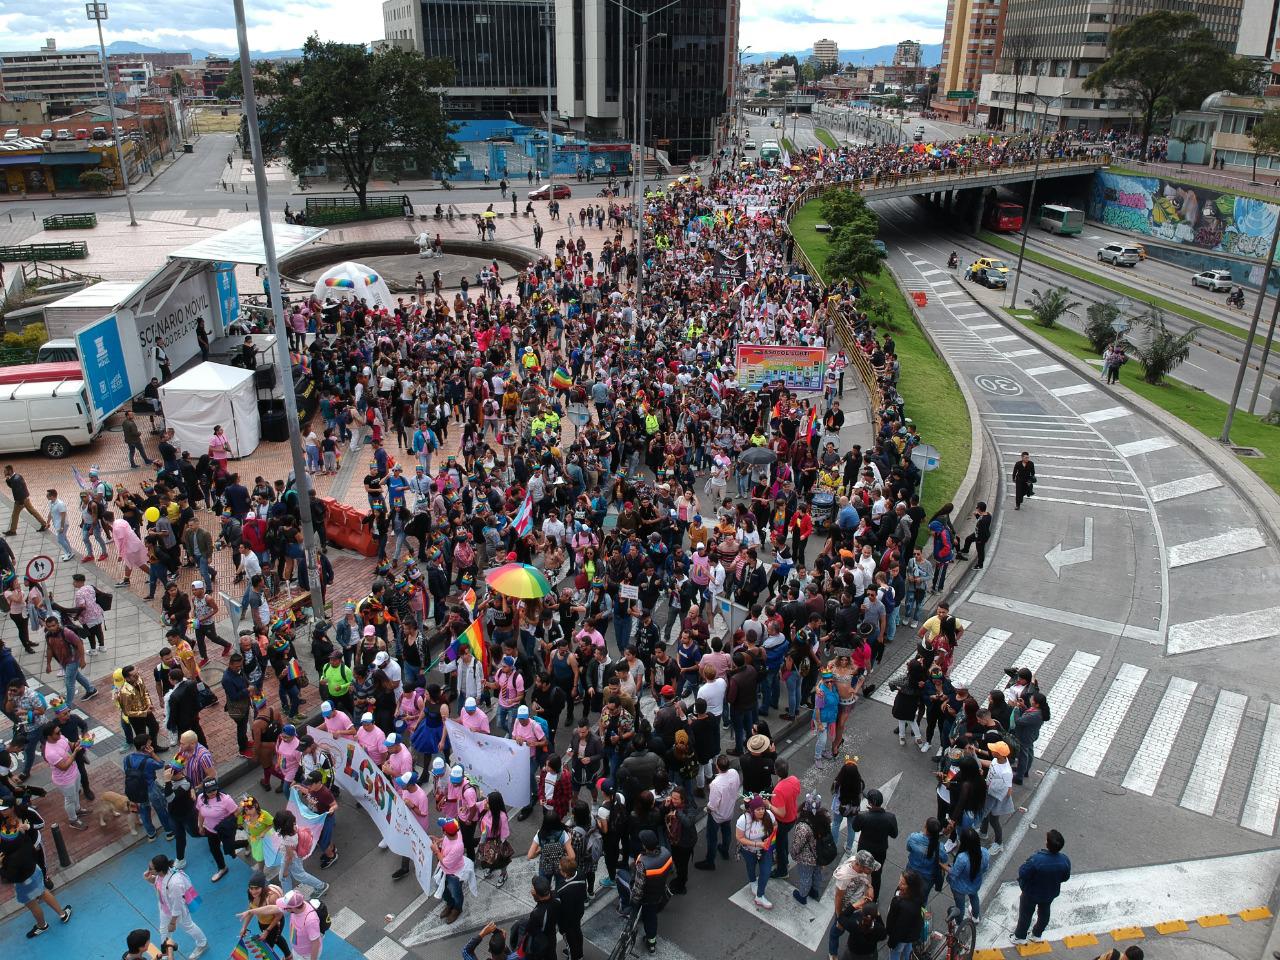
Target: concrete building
[970, 50]
[827, 52]
[1218, 133]
[1050, 47]
[498, 48]
[61, 78]
[908, 54]
[212, 73]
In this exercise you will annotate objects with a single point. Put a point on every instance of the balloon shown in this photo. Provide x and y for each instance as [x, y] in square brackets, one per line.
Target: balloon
[152, 514]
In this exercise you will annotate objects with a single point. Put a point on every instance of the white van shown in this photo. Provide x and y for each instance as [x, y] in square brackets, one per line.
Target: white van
[49, 417]
[58, 351]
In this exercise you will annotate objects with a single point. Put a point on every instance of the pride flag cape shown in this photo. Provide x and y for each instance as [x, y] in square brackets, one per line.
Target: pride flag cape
[560, 379]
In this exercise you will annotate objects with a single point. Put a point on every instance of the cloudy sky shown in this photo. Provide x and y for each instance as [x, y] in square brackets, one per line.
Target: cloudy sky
[283, 24]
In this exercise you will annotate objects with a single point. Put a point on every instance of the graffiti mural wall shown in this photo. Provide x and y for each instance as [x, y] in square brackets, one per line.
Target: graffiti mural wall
[1183, 213]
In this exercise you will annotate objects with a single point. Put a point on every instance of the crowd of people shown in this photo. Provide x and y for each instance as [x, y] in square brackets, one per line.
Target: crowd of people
[605, 439]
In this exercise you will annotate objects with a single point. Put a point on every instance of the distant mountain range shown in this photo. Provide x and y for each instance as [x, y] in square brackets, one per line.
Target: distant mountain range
[129, 46]
[930, 55]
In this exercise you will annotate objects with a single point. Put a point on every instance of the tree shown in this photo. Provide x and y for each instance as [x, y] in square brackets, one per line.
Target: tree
[1098, 328]
[845, 208]
[1161, 351]
[852, 255]
[1166, 61]
[782, 85]
[96, 180]
[1018, 51]
[1265, 138]
[787, 60]
[345, 105]
[1052, 305]
[177, 84]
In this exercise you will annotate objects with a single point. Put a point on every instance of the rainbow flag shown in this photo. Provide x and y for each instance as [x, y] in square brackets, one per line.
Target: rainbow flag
[293, 670]
[241, 951]
[811, 424]
[472, 637]
[469, 600]
[560, 379]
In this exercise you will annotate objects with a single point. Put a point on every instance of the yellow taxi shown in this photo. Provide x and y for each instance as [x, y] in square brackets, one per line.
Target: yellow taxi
[988, 263]
[1142, 251]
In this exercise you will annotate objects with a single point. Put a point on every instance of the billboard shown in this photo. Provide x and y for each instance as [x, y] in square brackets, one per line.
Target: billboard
[228, 293]
[800, 369]
[105, 374]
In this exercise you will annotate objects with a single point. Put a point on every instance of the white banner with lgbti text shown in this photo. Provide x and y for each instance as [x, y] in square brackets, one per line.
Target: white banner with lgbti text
[361, 778]
[493, 763]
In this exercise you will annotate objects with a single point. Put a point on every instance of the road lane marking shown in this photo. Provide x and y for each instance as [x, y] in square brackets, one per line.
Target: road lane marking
[1205, 782]
[1260, 805]
[1184, 487]
[1137, 448]
[1012, 354]
[979, 656]
[1092, 747]
[1072, 390]
[1051, 615]
[1109, 413]
[1223, 630]
[1162, 731]
[1041, 371]
[1064, 693]
[1236, 540]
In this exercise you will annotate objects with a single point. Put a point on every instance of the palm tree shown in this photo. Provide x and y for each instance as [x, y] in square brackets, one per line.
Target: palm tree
[1161, 350]
[1052, 305]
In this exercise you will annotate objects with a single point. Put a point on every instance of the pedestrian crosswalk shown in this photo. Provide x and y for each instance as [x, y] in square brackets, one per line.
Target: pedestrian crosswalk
[1215, 752]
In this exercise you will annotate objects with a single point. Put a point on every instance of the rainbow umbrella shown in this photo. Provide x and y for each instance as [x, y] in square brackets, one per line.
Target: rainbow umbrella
[518, 580]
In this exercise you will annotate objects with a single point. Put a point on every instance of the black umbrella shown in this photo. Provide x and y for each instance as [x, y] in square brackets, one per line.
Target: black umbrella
[757, 457]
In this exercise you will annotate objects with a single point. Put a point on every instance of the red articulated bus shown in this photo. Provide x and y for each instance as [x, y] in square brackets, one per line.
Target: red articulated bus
[1003, 217]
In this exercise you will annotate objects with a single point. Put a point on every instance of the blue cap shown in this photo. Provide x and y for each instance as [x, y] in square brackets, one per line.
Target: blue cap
[289, 730]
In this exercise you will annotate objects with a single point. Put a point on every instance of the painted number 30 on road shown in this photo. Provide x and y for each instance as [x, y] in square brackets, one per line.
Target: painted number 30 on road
[1000, 386]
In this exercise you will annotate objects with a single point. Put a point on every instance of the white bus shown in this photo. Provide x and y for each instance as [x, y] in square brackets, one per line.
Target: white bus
[1059, 219]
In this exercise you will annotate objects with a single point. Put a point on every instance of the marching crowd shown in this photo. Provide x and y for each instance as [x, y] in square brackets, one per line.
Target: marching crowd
[608, 444]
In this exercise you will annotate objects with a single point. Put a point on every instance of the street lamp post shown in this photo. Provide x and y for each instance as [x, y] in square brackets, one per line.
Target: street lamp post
[740, 89]
[97, 12]
[1031, 197]
[640, 134]
[1253, 332]
[283, 360]
[548, 22]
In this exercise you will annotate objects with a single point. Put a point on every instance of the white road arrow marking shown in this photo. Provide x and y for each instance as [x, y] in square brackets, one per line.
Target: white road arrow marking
[1059, 557]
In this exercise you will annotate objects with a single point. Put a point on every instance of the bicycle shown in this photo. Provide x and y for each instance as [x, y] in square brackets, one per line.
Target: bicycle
[956, 944]
[625, 947]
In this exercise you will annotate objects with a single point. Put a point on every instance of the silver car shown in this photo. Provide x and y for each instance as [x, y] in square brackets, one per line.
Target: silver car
[1218, 281]
[1119, 253]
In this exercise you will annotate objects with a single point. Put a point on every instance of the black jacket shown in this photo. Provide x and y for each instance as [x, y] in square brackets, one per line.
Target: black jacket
[184, 706]
[875, 829]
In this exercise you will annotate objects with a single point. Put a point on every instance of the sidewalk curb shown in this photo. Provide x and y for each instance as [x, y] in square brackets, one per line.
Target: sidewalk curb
[1252, 490]
[967, 493]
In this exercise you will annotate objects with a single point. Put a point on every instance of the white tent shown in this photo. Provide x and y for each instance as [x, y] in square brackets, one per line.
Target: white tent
[209, 395]
[353, 281]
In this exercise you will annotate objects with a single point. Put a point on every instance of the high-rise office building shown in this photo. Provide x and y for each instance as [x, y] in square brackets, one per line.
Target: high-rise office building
[970, 46]
[827, 52]
[1051, 46]
[498, 48]
[60, 78]
[907, 54]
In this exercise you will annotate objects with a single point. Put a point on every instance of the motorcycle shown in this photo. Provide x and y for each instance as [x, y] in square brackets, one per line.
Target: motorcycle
[953, 261]
[1236, 298]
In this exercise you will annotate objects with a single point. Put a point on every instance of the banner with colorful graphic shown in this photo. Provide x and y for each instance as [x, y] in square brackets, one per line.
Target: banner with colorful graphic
[360, 777]
[801, 369]
[493, 763]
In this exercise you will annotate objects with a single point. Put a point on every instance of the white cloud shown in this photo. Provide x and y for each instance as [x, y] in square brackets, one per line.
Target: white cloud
[796, 24]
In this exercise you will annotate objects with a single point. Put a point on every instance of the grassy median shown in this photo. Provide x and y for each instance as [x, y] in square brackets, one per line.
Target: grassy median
[788, 146]
[1194, 407]
[1110, 283]
[826, 138]
[933, 400]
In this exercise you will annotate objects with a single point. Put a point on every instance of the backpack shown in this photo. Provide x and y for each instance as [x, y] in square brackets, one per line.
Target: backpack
[104, 599]
[135, 779]
[826, 852]
[322, 914]
[108, 491]
[550, 855]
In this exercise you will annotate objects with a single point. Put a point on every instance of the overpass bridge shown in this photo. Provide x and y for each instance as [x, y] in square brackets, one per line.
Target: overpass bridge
[962, 193]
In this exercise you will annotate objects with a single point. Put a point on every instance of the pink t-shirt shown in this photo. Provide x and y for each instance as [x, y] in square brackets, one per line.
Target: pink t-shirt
[55, 753]
[374, 742]
[216, 810]
[529, 733]
[401, 762]
[476, 720]
[417, 800]
[287, 753]
[452, 854]
[338, 721]
[304, 931]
